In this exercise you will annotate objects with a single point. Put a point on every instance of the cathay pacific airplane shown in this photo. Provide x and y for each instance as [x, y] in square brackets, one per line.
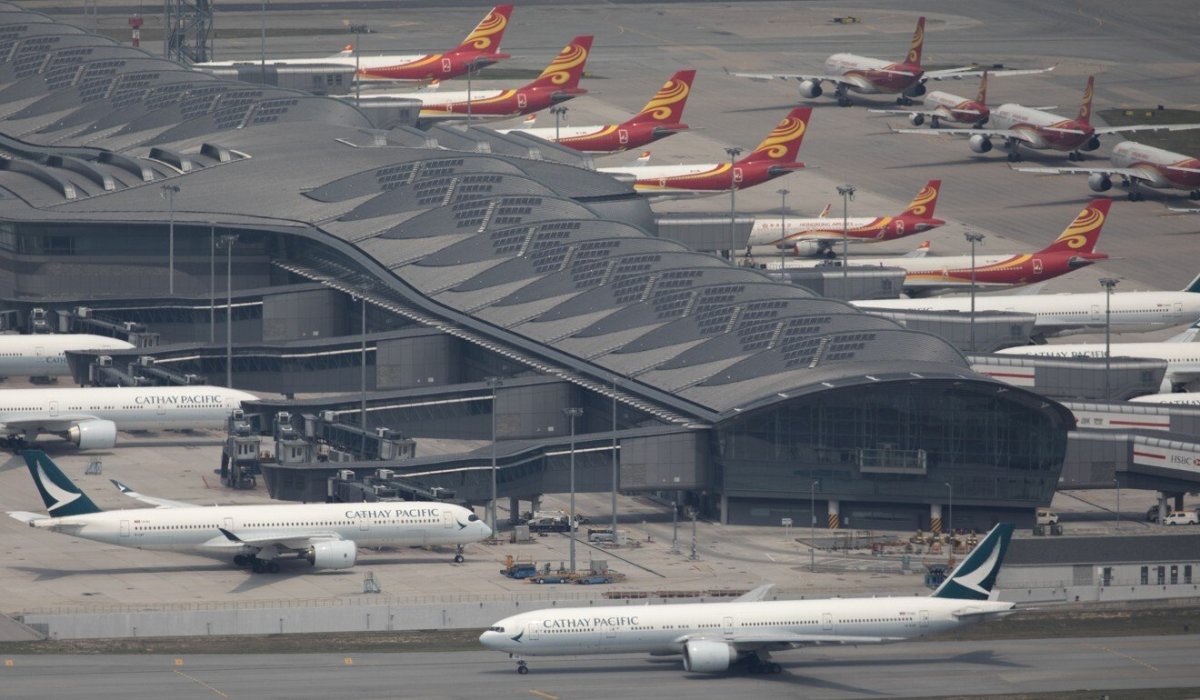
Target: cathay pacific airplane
[326, 535]
[714, 637]
[90, 417]
[44, 355]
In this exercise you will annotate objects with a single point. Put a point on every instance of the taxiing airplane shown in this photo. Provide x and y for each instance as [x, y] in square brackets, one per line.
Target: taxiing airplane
[715, 637]
[44, 355]
[1182, 355]
[869, 76]
[90, 417]
[559, 82]
[774, 157]
[658, 119]
[818, 236]
[326, 535]
[1039, 130]
[480, 49]
[1137, 165]
[1070, 314]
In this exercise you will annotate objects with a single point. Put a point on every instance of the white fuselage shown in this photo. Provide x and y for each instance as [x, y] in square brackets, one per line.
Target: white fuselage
[663, 629]
[194, 529]
[44, 355]
[1066, 314]
[129, 408]
[1027, 119]
[563, 132]
[843, 63]
[1179, 398]
[933, 263]
[343, 60]
[1183, 359]
[652, 172]
[766, 229]
[1130, 154]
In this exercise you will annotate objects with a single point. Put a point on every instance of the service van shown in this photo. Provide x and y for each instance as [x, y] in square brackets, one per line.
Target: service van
[1045, 516]
[1181, 517]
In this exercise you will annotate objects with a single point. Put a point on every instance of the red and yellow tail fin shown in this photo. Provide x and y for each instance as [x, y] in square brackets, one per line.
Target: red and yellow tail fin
[667, 104]
[567, 67]
[1085, 107]
[926, 200]
[825, 212]
[783, 143]
[918, 44]
[489, 32]
[1084, 231]
[981, 96]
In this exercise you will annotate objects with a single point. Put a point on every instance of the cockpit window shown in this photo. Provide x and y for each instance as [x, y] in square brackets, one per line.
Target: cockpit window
[472, 517]
[496, 629]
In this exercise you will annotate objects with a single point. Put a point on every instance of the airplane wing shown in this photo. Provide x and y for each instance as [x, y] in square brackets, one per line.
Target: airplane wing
[763, 77]
[758, 640]
[1132, 173]
[157, 502]
[929, 112]
[970, 72]
[1145, 127]
[994, 133]
[755, 595]
[267, 540]
[63, 421]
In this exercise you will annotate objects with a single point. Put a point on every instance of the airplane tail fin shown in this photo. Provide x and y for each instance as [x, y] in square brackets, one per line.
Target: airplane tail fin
[918, 252]
[918, 44]
[488, 33]
[1084, 231]
[926, 200]
[567, 67]
[667, 104]
[347, 50]
[975, 577]
[1194, 286]
[783, 143]
[981, 96]
[825, 212]
[60, 495]
[1085, 107]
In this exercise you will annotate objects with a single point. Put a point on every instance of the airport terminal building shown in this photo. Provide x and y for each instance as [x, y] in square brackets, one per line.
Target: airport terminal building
[134, 190]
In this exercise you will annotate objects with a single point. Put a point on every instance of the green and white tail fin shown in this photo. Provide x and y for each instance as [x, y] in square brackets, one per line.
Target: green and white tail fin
[60, 495]
[975, 577]
[1193, 286]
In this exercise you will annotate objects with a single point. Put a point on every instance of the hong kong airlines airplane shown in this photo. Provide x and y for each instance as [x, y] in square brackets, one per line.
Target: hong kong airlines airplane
[480, 49]
[326, 535]
[944, 107]
[774, 157]
[1137, 165]
[718, 637]
[658, 119]
[851, 73]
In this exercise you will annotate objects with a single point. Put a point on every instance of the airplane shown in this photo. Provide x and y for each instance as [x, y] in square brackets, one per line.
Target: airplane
[90, 417]
[817, 237]
[870, 76]
[952, 108]
[480, 49]
[1178, 398]
[1070, 314]
[1041, 130]
[715, 637]
[44, 354]
[658, 119]
[326, 535]
[774, 157]
[1181, 353]
[559, 82]
[1137, 164]
[1073, 249]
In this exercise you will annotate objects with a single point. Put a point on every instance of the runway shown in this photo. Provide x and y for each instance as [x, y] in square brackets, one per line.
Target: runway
[904, 670]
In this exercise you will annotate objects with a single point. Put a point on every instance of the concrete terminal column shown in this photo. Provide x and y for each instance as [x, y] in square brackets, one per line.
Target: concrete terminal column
[935, 518]
[1179, 501]
[724, 509]
[1163, 508]
[835, 517]
[514, 509]
[535, 504]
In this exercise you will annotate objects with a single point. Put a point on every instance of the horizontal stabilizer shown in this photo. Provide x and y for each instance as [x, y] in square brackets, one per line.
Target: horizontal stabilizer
[755, 595]
[26, 517]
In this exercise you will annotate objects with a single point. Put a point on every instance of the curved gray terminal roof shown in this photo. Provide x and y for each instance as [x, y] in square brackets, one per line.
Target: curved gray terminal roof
[534, 255]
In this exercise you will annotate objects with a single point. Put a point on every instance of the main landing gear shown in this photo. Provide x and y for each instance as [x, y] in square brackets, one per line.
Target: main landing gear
[1074, 155]
[458, 555]
[258, 566]
[522, 667]
[904, 100]
[762, 665]
[840, 94]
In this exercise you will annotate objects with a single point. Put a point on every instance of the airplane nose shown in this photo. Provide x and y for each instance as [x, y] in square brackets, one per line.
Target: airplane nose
[485, 530]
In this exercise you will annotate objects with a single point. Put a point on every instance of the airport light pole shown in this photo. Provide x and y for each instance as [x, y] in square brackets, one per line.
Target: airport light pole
[358, 30]
[227, 241]
[782, 223]
[733, 152]
[847, 192]
[559, 112]
[812, 524]
[212, 284]
[169, 191]
[675, 525]
[973, 238]
[493, 382]
[1118, 484]
[573, 413]
[614, 458]
[362, 414]
[1108, 283]
[262, 56]
[951, 518]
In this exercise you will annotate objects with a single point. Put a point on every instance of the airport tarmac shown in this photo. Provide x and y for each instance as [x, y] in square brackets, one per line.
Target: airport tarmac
[914, 670]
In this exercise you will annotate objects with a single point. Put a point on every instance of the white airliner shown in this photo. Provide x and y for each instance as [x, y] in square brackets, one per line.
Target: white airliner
[1181, 354]
[713, 637]
[91, 417]
[327, 535]
[44, 355]
[1137, 165]
[1178, 398]
[1070, 314]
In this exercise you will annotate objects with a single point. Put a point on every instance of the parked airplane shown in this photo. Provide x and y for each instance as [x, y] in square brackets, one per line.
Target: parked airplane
[658, 119]
[952, 108]
[559, 82]
[1182, 358]
[326, 535]
[91, 417]
[775, 156]
[1070, 314]
[480, 49]
[1040, 130]
[1178, 398]
[1137, 164]
[869, 76]
[818, 236]
[713, 637]
[44, 354]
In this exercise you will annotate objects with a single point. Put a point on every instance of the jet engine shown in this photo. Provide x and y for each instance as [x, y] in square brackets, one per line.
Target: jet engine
[336, 554]
[93, 434]
[811, 88]
[916, 119]
[980, 143]
[1091, 145]
[807, 249]
[702, 656]
[916, 90]
[1099, 182]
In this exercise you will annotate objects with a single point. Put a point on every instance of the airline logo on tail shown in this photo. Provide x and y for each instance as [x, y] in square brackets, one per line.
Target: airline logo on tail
[1085, 107]
[975, 578]
[783, 143]
[489, 32]
[981, 96]
[567, 68]
[1084, 231]
[918, 42]
[58, 493]
[926, 200]
[661, 108]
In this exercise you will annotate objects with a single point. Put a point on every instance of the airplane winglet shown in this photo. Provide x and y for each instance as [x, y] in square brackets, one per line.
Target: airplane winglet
[121, 487]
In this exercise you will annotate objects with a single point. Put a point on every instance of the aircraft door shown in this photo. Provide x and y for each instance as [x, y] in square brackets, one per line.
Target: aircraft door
[924, 619]
[53, 408]
[727, 627]
[533, 630]
[522, 100]
[124, 528]
[1097, 313]
[364, 525]
[826, 622]
[1037, 266]
[447, 519]
[737, 175]
[39, 351]
[446, 66]
[228, 524]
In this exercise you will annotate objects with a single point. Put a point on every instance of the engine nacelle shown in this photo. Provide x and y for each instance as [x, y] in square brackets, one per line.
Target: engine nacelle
[708, 657]
[916, 90]
[1091, 145]
[811, 88]
[337, 554]
[807, 249]
[980, 143]
[916, 119]
[1099, 182]
[93, 434]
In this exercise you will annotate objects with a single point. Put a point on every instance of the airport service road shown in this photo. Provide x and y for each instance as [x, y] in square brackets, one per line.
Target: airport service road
[903, 670]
